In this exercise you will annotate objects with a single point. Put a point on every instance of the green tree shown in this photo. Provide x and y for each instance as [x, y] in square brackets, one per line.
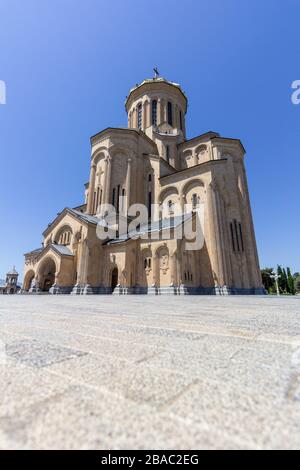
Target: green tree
[290, 282]
[297, 284]
[268, 281]
[282, 281]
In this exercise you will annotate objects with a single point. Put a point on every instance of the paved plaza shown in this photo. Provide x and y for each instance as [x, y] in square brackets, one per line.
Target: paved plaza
[141, 372]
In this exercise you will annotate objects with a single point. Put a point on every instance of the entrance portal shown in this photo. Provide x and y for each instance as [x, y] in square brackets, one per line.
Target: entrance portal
[49, 281]
[114, 278]
[47, 275]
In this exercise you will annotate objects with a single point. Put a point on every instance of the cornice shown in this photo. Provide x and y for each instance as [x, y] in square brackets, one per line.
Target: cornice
[207, 163]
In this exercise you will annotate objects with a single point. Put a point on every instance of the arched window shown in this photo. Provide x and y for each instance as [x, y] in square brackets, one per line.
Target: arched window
[65, 237]
[171, 207]
[140, 116]
[147, 263]
[154, 112]
[170, 114]
[195, 201]
[149, 177]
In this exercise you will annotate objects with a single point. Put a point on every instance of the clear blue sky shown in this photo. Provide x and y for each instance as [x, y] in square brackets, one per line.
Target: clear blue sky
[68, 66]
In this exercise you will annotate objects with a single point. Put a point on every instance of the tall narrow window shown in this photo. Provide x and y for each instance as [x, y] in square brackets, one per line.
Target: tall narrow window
[149, 204]
[171, 207]
[123, 199]
[114, 197]
[170, 114]
[180, 120]
[168, 153]
[118, 198]
[194, 201]
[97, 198]
[232, 236]
[236, 235]
[140, 116]
[154, 112]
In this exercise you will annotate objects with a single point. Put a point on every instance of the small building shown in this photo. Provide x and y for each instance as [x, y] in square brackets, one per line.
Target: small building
[10, 285]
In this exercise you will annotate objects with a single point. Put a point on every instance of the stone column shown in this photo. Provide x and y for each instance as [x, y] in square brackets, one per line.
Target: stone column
[225, 241]
[106, 189]
[145, 115]
[91, 189]
[176, 117]
[182, 202]
[216, 255]
[134, 118]
[155, 261]
[82, 263]
[158, 112]
[196, 159]
[128, 182]
[173, 268]
[165, 111]
[161, 111]
[84, 268]
[149, 114]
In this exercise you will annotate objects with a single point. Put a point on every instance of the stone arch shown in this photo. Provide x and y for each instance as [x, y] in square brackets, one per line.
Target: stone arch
[63, 235]
[114, 277]
[201, 153]
[99, 154]
[46, 272]
[118, 180]
[145, 268]
[28, 280]
[167, 192]
[195, 182]
[186, 159]
[163, 268]
[201, 148]
[77, 236]
[119, 150]
[193, 192]
[169, 202]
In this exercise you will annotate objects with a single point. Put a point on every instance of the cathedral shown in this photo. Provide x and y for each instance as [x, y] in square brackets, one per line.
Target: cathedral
[151, 163]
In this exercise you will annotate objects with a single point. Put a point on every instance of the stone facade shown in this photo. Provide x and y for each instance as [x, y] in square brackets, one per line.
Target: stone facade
[152, 162]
